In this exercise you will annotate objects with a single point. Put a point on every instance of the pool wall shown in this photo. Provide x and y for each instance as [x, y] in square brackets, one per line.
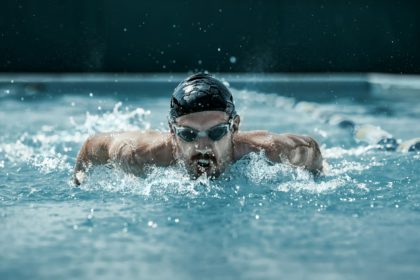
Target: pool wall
[309, 87]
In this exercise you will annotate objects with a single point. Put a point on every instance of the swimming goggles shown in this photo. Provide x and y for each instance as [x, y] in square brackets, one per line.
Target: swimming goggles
[189, 134]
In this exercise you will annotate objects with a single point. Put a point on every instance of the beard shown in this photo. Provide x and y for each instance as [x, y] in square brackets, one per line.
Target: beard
[200, 164]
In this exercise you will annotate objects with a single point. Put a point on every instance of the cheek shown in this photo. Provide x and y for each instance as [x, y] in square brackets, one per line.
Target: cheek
[222, 147]
[184, 149]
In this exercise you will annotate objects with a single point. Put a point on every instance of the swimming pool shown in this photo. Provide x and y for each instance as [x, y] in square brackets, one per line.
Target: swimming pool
[259, 221]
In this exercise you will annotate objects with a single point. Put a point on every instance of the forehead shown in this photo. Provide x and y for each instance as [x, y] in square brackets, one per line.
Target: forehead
[202, 120]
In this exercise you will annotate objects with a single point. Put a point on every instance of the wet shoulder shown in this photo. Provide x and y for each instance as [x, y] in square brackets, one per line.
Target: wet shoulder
[251, 141]
[266, 138]
[154, 147]
[271, 143]
[138, 137]
[146, 144]
[252, 138]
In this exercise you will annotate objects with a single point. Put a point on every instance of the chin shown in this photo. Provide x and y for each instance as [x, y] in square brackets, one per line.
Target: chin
[211, 171]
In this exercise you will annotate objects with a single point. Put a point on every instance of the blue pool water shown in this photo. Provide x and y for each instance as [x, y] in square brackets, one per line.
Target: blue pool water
[259, 221]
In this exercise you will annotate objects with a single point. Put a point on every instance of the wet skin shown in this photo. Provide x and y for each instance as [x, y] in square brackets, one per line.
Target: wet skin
[133, 151]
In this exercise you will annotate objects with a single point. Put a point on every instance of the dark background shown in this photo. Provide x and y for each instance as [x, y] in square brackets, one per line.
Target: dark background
[222, 36]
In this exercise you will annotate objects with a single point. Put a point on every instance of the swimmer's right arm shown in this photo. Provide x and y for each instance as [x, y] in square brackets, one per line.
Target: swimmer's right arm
[131, 151]
[95, 151]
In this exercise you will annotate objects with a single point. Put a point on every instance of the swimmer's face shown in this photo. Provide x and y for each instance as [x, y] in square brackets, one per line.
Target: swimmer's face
[203, 154]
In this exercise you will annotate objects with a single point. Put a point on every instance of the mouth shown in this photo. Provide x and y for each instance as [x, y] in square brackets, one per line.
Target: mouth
[204, 163]
[204, 166]
[201, 166]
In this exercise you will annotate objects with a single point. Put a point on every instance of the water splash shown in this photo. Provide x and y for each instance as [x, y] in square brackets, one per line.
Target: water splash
[117, 120]
[45, 158]
[158, 182]
[51, 149]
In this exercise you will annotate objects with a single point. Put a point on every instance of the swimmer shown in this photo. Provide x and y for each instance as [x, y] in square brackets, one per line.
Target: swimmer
[204, 136]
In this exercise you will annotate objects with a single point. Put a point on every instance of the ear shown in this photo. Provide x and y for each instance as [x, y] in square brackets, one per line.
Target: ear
[171, 129]
[235, 123]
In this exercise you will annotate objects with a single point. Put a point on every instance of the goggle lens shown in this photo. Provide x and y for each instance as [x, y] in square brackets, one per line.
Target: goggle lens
[187, 134]
[215, 133]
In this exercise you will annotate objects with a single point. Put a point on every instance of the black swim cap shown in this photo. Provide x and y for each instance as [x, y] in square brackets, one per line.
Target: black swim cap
[201, 92]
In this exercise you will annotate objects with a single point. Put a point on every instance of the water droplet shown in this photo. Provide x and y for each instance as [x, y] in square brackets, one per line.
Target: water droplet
[152, 224]
[90, 94]
[232, 59]
[218, 49]
[257, 217]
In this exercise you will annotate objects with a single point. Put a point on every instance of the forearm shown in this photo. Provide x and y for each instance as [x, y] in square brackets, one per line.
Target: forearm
[297, 150]
[307, 155]
[95, 151]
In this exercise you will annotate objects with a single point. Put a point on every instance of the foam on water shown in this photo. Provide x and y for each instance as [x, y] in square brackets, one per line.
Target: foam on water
[44, 149]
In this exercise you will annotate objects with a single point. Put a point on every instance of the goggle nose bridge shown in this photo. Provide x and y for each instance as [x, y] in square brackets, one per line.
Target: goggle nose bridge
[202, 134]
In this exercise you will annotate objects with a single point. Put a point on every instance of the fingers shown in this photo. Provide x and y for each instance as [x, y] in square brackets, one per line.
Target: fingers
[79, 177]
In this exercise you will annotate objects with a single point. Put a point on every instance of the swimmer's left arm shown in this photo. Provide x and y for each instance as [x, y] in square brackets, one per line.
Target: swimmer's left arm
[297, 150]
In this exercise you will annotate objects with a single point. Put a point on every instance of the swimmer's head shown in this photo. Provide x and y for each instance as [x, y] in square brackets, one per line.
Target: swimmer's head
[203, 122]
[201, 92]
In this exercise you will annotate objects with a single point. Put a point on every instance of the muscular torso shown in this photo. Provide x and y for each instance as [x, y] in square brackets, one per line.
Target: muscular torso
[132, 151]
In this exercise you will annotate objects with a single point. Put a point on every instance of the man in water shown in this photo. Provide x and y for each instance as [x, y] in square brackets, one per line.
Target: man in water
[204, 136]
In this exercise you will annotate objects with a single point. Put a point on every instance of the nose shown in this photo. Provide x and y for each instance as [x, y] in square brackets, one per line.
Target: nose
[204, 151]
[203, 144]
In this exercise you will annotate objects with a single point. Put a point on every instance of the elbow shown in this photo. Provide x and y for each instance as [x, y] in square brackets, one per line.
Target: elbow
[92, 152]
